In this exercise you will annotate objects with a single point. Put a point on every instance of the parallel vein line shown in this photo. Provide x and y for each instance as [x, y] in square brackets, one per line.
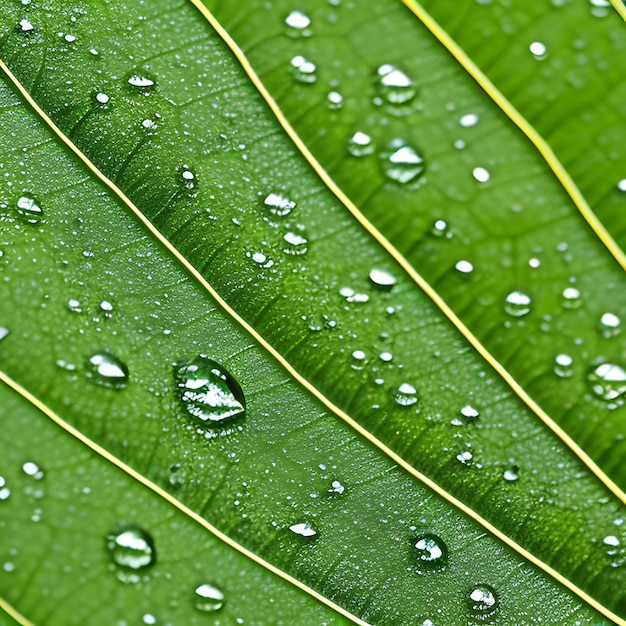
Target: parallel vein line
[283, 361]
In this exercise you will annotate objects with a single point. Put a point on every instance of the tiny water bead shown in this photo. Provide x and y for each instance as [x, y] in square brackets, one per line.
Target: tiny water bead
[29, 209]
[610, 325]
[571, 298]
[360, 144]
[432, 551]
[607, 381]
[30, 468]
[394, 85]
[401, 162]
[303, 70]
[360, 358]
[563, 365]
[517, 304]
[303, 529]
[278, 204]
[131, 549]
[406, 395]
[104, 368]
[298, 24]
[481, 174]
[383, 280]
[208, 391]
[483, 601]
[464, 457]
[208, 598]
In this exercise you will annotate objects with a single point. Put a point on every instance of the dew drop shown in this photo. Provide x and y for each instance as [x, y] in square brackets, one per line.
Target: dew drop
[298, 24]
[465, 267]
[469, 412]
[3, 332]
[131, 549]
[607, 381]
[621, 185]
[517, 304]
[440, 228]
[30, 468]
[511, 474]
[360, 144]
[208, 391]
[335, 100]
[571, 298]
[336, 487]
[563, 365]
[471, 119]
[103, 368]
[303, 70]
[303, 529]
[277, 204]
[142, 81]
[5, 492]
[26, 26]
[385, 357]
[464, 457]
[394, 85]
[187, 178]
[432, 552]
[74, 305]
[401, 162]
[538, 50]
[610, 325]
[30, 211]
[481, 174]
[295, 241]
[483, 601]
[383, 280]
[360, 358]
[101, 98]
[611, 540]
[208, 598]
[406, 395]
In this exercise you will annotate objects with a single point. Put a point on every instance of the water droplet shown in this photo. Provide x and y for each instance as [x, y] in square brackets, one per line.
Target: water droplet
[131, 549]
[360, 144]
[142, 81]
[607, 381]
[481, 174]
[471, 119]
[382, 279]
[611, 540]
[538, 50]
[149, 619]
[70, 38]
[26, 26]
[621, 185]
[105, 369]
[394, 85]
[187, 178]
[517, 304]
[401, 162]
[303, 70]
[511, 474]
[298, 24]
[571, 298]
[465, 267]
[360, 358]
[563, 365]
[5, 492]
[74, 305]
[106, 307]
[407, 395]
[336, 487]
[295, 241]
[31, 468]
[469, 412]
[303, 529]
[335, 100]
[600, 8]
[440, 229]
[208, 391]
[208, 598]
[464, 457]
[610, 325]
[432, 552]
[534, 263]
[28, 208]
[3, 332]
[101, 98]
[386, 357]
[483, 601]
[278, 204]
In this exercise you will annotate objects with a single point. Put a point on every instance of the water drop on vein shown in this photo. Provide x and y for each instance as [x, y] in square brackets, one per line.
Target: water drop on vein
[303, 529]
[104, 368]
[131, 549]
[208, 598]
[401, 162]
[517, 304]
[208, 391]
[140, 80]
[303, 70]
[394, 85]
[607, 381]
[483, 601]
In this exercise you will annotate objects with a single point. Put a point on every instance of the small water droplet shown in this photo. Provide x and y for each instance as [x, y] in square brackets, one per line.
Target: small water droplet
[401, 162]
[517, 304]
[187, 178]
[70, 38]
[611, 540]
[483, 601]
[3, 332]
[142, 81]
[465, 267]
[406, 395]
[303, 529]
[610, 325]
[74, 305]
[571, 298]
[394, 85]
[131, 549]
[208, 391]
[534, 263]
[481, 174]
[101, 98]
[386, 357]
[360, 358]
[464, 457]
[208, 598]
[277, 204]
[30, 468]
[621, 185]
[148, 619]
[563, 365]
[107, 308]
[26, 26]
[303, 70]
[360, 144]
[511, 474]
[382, 279]
[469, 412]
[298, 24]
[336, 487]
[607, 381]
[471, 119]
[440, 229]
[538, 50]
[432, 552]
[5, 492]
[295, 241]
[29, 209]
[335, 100]
[600, 8]
[104, 368]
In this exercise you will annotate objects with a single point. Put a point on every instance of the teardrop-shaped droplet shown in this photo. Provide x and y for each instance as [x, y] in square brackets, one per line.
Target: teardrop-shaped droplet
[483, 601]
[104, 368]
[131, 549]
[298, 24]
[517, 304]
[394, 85]
[29, 209]
[303, 529]
[406, 395]
[432, 552]
[360, 144]
[382, 279]
[278, 204]
[208, 598]
[208, 391]
[607, 381]
[610, 325]
[303, 70]
[402, 162]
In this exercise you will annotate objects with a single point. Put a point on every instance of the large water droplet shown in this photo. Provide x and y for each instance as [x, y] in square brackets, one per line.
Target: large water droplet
[26, 26]
[104, 368]
[511, 474]
[208, 598]
[469, 412]
[517, 304]
[382, 279]
[277, 204]
[538, 50]
[394, 85]
[607, 381]
[610, 325]
[335, 100]
[3, 332]
[295, 241]
[464, 267]
[471, 119]
[440, 229]
[432, 552]
[401, 162]
[483, 601]
[303, 70]
[298, 24]
[563, 365]
[141, 81]
[481, 174]
[208, 391]
[28, 208]
[303, 529]
[406, 395]
[360, 144]
[132, 549]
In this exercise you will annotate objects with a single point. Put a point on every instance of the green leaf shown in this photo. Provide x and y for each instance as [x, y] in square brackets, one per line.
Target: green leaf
[356, 385]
